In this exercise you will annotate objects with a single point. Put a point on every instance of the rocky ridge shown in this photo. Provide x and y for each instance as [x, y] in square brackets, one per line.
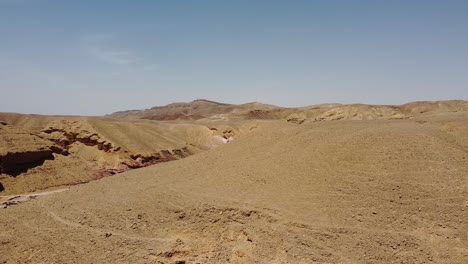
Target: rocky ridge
[24, 155]
[210, 110]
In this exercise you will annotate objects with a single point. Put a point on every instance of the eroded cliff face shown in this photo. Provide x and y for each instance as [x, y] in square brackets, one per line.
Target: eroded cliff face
[21, 150]
[66, 133]
[40, 152]
[66, 152]
[15, 163]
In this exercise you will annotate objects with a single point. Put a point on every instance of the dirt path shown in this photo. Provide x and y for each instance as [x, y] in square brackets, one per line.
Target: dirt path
[10, 200]
[103, 232]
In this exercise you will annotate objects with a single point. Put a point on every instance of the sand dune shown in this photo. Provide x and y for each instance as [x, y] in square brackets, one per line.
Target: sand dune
[367, 184]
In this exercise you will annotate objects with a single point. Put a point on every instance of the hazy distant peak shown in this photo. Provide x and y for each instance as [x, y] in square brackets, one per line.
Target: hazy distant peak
[208, 102]
[206, 109]
[196, 102]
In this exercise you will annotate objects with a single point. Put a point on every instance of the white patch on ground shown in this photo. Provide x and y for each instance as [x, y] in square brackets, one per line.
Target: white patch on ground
[221, 139]
[218, 140]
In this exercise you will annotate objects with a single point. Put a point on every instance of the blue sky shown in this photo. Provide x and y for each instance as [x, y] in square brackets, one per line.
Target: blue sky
[97, 57]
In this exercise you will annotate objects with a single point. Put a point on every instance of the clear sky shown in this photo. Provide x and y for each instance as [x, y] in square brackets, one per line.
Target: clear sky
[96, 57]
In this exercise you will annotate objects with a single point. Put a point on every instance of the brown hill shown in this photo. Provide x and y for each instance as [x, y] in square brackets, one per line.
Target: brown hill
[194, 110]
[350, 184]
[213, 111]
[39, 152]
[369, 191]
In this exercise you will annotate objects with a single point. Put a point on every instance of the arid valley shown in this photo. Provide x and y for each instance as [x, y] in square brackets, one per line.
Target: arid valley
[207, 182]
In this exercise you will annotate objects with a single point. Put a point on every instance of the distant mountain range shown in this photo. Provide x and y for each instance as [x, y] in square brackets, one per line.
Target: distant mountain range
[202, 109]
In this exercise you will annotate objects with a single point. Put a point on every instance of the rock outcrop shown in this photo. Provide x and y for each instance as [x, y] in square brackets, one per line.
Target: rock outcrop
[361, 112]
[65, 134]
[15, 163]
[144, 160]
[73, 151]
[297, 118]
[20, 151]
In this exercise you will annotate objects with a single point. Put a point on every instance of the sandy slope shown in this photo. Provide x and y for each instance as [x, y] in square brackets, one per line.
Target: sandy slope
[40, 152]
[381, 191]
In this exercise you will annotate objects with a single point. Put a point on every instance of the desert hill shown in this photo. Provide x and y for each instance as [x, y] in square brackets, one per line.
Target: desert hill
[206, 110]
[336, 184]
[39, 152]
[195, 110]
